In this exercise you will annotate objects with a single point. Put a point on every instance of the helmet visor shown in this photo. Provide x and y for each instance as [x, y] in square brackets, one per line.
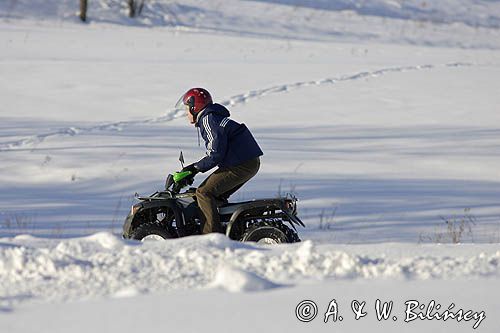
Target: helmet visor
[180, 106]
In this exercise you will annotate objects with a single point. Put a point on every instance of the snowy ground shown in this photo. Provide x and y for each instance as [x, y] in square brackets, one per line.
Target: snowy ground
[383, 119]
[391, 137]
[106, 280]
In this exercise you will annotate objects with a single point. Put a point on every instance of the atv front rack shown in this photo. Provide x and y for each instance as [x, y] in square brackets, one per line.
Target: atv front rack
[164, 195]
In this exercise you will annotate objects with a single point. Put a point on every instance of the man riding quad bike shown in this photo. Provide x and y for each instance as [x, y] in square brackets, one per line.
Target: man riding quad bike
[230, 146]
[171, 214]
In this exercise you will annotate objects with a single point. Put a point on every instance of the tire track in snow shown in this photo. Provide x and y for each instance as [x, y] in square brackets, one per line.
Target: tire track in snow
[232, 101]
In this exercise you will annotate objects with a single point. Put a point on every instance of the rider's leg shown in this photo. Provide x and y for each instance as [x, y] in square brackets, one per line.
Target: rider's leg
[225, 196]
[222, 181]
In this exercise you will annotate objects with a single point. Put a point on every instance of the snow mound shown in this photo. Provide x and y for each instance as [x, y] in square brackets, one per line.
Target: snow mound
[126, 292]
[105, 265]
[105, 239]
[237, 280]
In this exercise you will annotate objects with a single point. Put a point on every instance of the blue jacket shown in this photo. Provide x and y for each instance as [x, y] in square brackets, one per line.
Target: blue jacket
[228, 143]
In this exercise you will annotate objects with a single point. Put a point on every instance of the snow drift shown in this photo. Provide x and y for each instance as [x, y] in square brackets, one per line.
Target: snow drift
[41, 270]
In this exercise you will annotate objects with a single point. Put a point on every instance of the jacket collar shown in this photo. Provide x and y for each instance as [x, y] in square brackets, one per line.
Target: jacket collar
[199, 116]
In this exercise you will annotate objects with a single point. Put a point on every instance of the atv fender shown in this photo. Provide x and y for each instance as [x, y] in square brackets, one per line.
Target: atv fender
[171, 204]
[277, 204]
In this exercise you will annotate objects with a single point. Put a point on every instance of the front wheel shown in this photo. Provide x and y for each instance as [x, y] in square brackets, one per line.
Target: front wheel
[270, 233]
[150, 232]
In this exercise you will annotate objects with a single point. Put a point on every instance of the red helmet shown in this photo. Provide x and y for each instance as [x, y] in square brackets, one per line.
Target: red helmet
[196, 98]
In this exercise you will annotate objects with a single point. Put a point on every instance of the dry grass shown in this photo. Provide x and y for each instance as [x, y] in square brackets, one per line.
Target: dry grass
[456, 229]
[327, 219]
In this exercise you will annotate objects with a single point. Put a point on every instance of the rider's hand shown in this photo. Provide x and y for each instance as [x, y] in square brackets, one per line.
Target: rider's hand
[191, 168]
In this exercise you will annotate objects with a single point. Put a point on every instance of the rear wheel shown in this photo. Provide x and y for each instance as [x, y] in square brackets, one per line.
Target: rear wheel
[151, 231]
[270, 232]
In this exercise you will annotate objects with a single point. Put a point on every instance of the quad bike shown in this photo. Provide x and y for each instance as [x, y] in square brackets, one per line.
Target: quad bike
[172, 214]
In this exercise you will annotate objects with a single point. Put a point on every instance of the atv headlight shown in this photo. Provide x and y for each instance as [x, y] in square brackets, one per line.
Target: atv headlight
[135, 208]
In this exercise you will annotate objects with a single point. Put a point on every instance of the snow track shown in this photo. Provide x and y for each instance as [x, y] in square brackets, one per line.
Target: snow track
[39, 270]
[232, 101]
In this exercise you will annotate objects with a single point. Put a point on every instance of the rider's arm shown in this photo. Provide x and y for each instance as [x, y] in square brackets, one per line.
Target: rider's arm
[217, 143]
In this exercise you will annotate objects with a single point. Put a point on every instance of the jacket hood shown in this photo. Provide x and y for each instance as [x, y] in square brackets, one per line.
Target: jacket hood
[215, 109]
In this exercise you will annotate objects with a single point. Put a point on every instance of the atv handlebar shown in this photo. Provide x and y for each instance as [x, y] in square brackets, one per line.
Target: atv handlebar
[178, 176]
[179, 180]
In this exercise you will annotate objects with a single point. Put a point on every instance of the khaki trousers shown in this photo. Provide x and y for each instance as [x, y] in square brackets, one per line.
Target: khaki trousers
[219, 186]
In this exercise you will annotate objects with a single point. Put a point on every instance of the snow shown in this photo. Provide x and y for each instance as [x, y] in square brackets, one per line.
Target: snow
[214, 311]
[380, 116]
[47, 270]
[103, 280]
[456, 23]
[237, 280]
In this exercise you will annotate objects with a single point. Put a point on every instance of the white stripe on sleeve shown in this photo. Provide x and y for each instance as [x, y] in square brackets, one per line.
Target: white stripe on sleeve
[209, 134]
